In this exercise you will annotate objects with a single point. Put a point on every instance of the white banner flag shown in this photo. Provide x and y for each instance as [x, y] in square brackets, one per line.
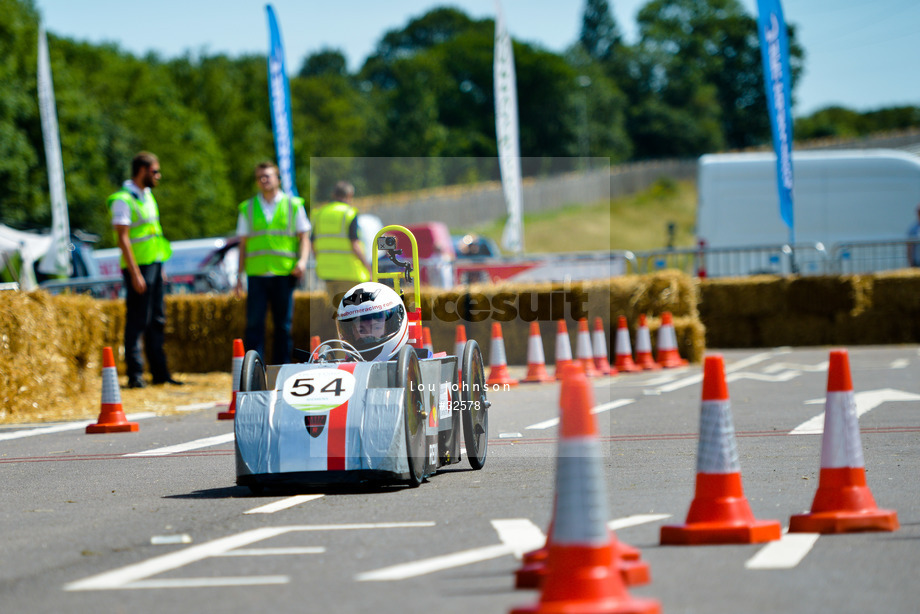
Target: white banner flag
[506, 132]
[56, 260]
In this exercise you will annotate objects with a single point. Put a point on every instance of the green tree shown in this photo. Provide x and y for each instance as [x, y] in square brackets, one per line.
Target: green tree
[325, 62]
[600, 37]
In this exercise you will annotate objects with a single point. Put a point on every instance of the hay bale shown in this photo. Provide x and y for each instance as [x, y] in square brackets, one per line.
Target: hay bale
[824, 295]
[897, 292]
[727, 298]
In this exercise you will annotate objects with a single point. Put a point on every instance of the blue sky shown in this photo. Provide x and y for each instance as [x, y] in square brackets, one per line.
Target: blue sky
[860, 54]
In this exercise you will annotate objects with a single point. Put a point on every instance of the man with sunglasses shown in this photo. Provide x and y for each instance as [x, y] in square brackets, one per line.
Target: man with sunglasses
[274, 246]
[144, 249]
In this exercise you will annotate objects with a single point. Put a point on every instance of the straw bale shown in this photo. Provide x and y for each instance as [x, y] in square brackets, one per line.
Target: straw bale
[728, 298]
[873, 327]
[824, 295]
[733, 332]
[897, 292]
[797, 329]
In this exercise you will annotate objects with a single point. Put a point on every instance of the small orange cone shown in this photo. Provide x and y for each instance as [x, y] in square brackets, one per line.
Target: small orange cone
[582, 575]
[668, 356]
[426, 339]
[583, 351]
[314, 343]
[536, 361]
[719, 513]
[498, 366]
[236, 368]
[644, 347]
[843, 502]
[112, 416]
[599, 347]
[563, 349]
[624, 359]
[459, 341]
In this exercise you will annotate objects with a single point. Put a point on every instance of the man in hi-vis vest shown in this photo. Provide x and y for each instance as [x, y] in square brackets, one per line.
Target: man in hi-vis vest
[340, 259]
[136, 221]
[274, 246]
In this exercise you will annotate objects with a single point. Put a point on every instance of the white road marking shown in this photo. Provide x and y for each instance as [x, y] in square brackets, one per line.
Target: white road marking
[283, 504]
[275, 551]
[207, 442]
[782, 376]
[134, 576]
[519, 534]
[796, 366]
[510, 435]
[865, 401]
[738, 366]
[197, 406]
[438, 563]
[635, 520]
[785, 553]
[69, 426]
[596, 410]
[901, 363]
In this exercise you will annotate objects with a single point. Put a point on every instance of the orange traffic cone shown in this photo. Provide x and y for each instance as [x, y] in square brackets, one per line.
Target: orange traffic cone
[426, 339]
[112, 416]
[624, 359]
[581, 570]
[459, 341]
[563, 349]
[314, 342]
[236, 368]
[498, 366]
[583, 352]
[843, 502]
[719, 513]
[668, 356]
[536, 361]
[599, 347]
[644, 347]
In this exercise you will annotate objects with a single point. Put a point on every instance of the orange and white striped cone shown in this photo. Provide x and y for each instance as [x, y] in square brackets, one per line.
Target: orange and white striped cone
[426, 339]
[112, 415]
[719, 513]
[498, 365]
[563, 349]
[236, 368]
[599, 348]
[583, 352]
[644, 358]
[536, 361]
[668, 355]
[843, 502]
[581, 570]
[624, 360]
[459, 341]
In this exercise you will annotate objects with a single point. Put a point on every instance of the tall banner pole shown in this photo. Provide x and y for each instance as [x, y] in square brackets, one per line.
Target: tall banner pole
[506, 130]
[774, 50]
[56, 260]
[280, 100]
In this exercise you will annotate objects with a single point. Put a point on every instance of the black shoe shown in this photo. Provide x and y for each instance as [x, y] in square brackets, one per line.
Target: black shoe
[136, 382]
[168, 380]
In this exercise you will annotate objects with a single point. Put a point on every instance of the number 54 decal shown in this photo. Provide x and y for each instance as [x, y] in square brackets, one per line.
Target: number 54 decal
[318, 390]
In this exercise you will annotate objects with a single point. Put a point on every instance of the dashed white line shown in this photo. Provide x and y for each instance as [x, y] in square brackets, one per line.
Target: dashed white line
[596, 410]
[865, 401]
[634, 520]
[283, 504]
[207, 442]
[438, 563]
[275, 551]
[519, 534]
[69, 426]
[785, 553]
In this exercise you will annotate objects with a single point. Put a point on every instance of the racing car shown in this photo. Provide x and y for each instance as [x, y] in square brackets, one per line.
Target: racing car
[370, 406]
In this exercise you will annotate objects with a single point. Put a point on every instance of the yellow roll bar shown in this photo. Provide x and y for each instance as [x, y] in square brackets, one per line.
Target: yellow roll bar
[395, 276]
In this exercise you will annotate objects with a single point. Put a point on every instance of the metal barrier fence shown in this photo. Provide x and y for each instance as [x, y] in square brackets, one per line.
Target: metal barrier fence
[871, 256]
[803, 259]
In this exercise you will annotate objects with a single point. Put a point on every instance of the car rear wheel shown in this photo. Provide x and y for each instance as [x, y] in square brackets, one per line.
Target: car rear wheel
[252, 373]
[474, 405]
[409, 378]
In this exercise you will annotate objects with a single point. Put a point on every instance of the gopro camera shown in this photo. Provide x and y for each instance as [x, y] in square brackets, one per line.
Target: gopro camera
[386, 242]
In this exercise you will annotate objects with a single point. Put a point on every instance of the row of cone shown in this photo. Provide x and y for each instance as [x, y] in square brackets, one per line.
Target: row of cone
[591, 351]
[584, 568]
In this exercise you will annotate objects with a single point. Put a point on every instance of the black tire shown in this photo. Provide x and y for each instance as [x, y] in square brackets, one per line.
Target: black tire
[409, 378]
[474, 406]
[252, 374]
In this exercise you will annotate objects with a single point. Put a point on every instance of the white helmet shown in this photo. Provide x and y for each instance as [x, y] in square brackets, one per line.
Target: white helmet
[372, 318]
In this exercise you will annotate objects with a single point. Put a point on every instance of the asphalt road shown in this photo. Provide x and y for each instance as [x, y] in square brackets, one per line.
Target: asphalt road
[84, 518]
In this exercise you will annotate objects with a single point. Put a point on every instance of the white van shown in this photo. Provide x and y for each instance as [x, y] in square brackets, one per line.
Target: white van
[839, 196]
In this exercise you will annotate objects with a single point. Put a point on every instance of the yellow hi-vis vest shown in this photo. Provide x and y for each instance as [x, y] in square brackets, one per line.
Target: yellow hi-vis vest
[271, 246]
[335, 259]
[145, 232]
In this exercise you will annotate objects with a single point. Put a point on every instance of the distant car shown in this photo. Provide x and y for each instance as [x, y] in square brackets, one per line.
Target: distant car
[475, 246]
